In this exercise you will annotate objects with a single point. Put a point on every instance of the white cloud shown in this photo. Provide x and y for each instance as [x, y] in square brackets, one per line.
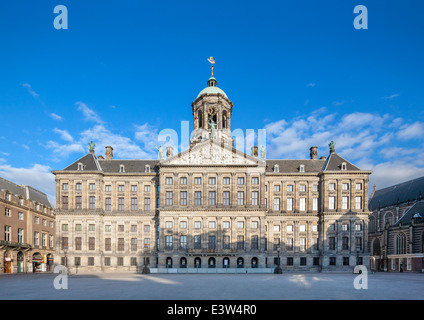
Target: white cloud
[65, 135]
[38, 176]
[25, 146]
[30, 90]
[55, 116]
[393, 96]
[411, 131]
[311, 84]
[88, 113]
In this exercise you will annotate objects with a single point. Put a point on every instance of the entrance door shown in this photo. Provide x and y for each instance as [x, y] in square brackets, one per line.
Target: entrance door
[7, 262]
[20, 259]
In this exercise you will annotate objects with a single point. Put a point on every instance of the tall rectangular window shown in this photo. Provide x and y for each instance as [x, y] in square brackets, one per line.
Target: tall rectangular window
[289, 204]
[183, 242]
[121, 244]
[108, 204]
[289, 244]
[183, 198]
[358, 203]
[146, 204]
[331, 203]
[302, 204]
[169, 198]
[211, 244]
[134, 204]
[78, 243]
[240, 198]
[226, 198]
[78, 202]
[91, 243]
[108, 244]
[197, 198]
[315, 204]
[8, 234]
[332, 243]
[134, 244]
[276, 204]
[345, 201]
[92, 201]
[255, 196]
[197, 242]
[240, 242]
[121, 204]
[254, 242]
[20, 235]
[226, 243]
[65, 203]
[168, 243]
[212, 198]
[302, 244]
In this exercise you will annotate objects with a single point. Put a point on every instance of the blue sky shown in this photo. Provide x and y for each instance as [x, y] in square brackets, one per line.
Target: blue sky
[126, 70]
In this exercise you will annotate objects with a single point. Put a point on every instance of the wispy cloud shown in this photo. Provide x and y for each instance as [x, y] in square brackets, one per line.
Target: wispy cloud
[89, 114]
[65, 135]
[311, 84]
[393, 96]
[372, 141]
[30, 90]
[56, 117]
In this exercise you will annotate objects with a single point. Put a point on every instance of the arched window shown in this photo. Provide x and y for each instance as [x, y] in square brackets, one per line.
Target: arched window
[200, 118]
[388, 220]
[122, 168]
[169, 262]
[254, 262]
[372, 224]
[211, 263]
[197, 263]
[224, 120]
[183, 262]
[226, 263]
[240, 263]
[400, 243]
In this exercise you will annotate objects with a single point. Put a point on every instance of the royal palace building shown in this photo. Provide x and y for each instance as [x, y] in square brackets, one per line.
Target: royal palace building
[212, 206]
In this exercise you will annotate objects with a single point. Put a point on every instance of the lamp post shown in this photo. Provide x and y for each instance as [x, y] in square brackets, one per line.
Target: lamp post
[278, 269]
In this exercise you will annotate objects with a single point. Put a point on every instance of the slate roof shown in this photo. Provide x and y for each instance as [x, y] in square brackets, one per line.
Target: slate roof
[131, 166]
[401, 193]
[334, 163]
[21, 190]
[89, 161]
[292, 166]
[416, 210]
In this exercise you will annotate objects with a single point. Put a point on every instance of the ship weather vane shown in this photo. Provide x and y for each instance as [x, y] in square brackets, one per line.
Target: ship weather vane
[212, 61]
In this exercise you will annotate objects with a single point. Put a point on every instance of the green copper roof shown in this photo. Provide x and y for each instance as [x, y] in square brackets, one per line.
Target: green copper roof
[212, 88]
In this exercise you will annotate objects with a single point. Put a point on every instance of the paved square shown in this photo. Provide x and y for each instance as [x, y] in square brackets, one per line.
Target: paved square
[213, 287]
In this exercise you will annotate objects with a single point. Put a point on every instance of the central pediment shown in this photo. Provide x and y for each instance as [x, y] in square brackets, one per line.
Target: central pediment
[212, 153]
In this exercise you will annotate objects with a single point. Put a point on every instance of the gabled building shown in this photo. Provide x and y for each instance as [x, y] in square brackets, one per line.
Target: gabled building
[27, 229]
[212, 206]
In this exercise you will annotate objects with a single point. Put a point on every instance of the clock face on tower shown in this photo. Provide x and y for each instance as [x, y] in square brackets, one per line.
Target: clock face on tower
[212, 110]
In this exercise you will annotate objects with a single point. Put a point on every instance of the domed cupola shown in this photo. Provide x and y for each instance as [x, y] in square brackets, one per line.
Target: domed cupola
[212, 112]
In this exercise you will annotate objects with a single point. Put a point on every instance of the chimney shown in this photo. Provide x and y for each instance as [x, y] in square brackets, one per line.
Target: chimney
[109, 153]
[255, 151]
[314, 153]
[169, 151]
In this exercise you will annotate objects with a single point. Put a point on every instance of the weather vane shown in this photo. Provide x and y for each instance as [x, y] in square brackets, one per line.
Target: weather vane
[212, 61]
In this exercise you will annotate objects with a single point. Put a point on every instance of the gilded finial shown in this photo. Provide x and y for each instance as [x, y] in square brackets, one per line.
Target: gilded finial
[212, 61]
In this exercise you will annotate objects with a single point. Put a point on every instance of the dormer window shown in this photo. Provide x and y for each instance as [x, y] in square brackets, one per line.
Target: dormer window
[302, 168]
[80, 166]
[122, 168]
[344, 166]
[147, 168]
[276, 168]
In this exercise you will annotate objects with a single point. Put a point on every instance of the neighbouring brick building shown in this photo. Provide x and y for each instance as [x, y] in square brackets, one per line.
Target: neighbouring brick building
[396, 228]
[212, 206]
[27, 229]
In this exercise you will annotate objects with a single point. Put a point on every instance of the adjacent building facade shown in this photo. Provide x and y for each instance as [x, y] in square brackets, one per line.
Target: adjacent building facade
[27, 225]
[396, 228]
[212, 206]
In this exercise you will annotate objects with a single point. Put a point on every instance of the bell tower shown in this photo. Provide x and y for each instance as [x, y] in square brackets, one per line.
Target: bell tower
[212, 112]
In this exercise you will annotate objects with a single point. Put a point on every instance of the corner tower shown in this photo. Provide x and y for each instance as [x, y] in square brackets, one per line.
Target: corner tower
[212, 112]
